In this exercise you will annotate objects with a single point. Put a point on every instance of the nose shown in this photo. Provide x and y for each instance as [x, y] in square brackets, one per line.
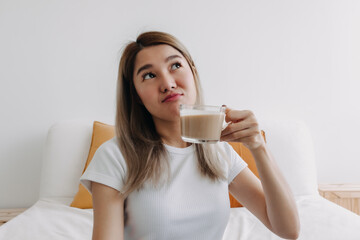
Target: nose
[167, 83]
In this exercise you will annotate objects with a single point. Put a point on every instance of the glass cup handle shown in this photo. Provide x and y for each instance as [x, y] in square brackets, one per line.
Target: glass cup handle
[225, 125]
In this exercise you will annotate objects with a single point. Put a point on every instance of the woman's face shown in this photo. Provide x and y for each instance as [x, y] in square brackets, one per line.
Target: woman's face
[163, 79]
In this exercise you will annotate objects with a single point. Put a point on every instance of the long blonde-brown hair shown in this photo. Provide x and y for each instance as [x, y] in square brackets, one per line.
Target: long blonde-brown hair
[140, 144]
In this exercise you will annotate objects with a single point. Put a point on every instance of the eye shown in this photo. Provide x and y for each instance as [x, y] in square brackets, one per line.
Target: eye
[148, 75]
[175, 66]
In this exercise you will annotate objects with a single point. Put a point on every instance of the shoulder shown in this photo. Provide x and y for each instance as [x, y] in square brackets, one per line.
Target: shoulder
[110, 145]
[230, 152]
[107, 166]
[109, 151]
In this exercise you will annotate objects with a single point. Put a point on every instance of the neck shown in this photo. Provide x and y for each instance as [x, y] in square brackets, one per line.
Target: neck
[170, 133]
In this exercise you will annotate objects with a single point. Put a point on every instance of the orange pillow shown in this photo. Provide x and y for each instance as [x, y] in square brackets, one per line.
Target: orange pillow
[104, 132]
[101, 133]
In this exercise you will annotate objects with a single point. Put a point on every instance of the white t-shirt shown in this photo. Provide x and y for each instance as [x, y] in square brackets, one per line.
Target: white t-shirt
[189, 206]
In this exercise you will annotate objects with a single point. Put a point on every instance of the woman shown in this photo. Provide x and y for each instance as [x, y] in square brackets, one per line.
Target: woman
[168, 188]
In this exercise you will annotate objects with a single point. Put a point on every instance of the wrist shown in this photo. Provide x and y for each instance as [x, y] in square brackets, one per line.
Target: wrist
[261, 148]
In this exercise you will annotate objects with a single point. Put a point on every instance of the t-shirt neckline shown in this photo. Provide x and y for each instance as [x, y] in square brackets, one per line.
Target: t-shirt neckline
[177, 150]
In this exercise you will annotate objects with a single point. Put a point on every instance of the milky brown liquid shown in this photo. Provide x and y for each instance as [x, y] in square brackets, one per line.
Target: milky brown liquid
[202, 127]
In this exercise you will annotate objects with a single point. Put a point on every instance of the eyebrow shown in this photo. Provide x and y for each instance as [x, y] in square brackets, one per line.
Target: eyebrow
[147, 66]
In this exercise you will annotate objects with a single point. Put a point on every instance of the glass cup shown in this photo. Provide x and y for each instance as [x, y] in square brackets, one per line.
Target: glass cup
[201, 123]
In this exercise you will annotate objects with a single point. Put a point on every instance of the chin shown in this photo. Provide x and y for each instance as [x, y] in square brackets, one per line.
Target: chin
[175, 110]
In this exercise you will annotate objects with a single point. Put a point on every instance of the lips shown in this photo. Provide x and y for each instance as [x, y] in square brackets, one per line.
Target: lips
[171, 97]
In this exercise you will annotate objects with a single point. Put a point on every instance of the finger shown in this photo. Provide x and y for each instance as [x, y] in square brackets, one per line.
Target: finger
[237, 115]
[234, 127]
[239, 136]
[245, 140]
[226, 111]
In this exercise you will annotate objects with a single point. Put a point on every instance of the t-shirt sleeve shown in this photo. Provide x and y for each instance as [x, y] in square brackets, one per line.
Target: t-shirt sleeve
[235, 163]
[107, 167]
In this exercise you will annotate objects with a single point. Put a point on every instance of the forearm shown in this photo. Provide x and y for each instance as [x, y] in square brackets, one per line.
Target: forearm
[280, 204]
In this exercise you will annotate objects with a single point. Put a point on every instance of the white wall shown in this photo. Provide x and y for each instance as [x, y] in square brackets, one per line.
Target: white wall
[294, 59]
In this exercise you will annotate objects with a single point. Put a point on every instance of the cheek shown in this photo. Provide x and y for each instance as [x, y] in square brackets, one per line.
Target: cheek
[188, 80]
[146, 95]
[190, 83]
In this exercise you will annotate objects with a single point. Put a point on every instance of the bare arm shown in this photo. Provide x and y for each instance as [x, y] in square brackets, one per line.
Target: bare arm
[270, 200]
[108, 206]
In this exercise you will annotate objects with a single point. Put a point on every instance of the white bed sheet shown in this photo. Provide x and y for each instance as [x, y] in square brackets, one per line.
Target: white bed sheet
[54, 219]
[49, 219]
[320, 219]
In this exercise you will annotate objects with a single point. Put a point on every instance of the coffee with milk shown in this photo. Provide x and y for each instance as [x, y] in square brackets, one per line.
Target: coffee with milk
[201, 124]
